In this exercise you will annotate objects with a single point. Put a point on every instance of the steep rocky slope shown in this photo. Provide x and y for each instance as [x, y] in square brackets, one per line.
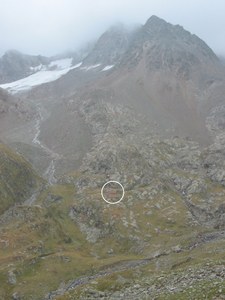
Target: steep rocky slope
[155, 123]
[170, 76]
[9, 103]
[161, 72]
[13, 112]
[169, 225]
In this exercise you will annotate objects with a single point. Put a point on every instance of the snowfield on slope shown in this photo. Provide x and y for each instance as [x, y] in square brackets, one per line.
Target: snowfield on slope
[49, 73]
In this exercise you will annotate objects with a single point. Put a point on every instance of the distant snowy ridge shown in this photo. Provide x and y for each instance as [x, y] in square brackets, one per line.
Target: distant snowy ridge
[44, 74]
[47, 73]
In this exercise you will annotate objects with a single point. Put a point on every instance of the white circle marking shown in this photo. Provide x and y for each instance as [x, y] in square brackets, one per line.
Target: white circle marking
[112, 181]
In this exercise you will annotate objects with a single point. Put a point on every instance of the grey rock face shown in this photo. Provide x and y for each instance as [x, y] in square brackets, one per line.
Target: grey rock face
[15, 65]
[168, 47]
[110, 47]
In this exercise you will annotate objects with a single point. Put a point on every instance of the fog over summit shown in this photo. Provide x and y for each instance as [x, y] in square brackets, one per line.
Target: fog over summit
[50, 27]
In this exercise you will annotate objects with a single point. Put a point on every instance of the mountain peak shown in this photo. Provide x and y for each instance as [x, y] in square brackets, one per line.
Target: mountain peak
[156, 25]
[155, 20]
[110, 47]
[167, 46]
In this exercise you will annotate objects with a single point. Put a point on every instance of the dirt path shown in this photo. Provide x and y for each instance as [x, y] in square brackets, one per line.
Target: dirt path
[126, 265]
[118, 267]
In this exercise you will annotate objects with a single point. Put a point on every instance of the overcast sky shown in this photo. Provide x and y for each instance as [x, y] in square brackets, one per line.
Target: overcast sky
[49, 27]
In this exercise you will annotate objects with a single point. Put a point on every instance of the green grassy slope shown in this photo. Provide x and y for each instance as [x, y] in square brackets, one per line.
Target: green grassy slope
[71, 232]
[17, 178]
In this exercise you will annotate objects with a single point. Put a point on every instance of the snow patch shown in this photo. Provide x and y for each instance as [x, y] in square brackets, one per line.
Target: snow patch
[37, 68]
[76, 66]
[63, 66]
[108, 68]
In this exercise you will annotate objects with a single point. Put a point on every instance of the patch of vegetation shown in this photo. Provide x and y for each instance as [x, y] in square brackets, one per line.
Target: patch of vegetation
[17, 178]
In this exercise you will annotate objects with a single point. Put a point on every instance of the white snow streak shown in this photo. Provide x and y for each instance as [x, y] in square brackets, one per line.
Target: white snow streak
[90, 67]
[108, 68]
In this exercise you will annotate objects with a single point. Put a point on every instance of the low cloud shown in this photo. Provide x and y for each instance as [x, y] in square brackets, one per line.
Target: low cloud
[53, 26]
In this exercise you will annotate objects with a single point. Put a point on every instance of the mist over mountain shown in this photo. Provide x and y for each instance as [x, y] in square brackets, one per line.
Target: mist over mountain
[144, 107]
